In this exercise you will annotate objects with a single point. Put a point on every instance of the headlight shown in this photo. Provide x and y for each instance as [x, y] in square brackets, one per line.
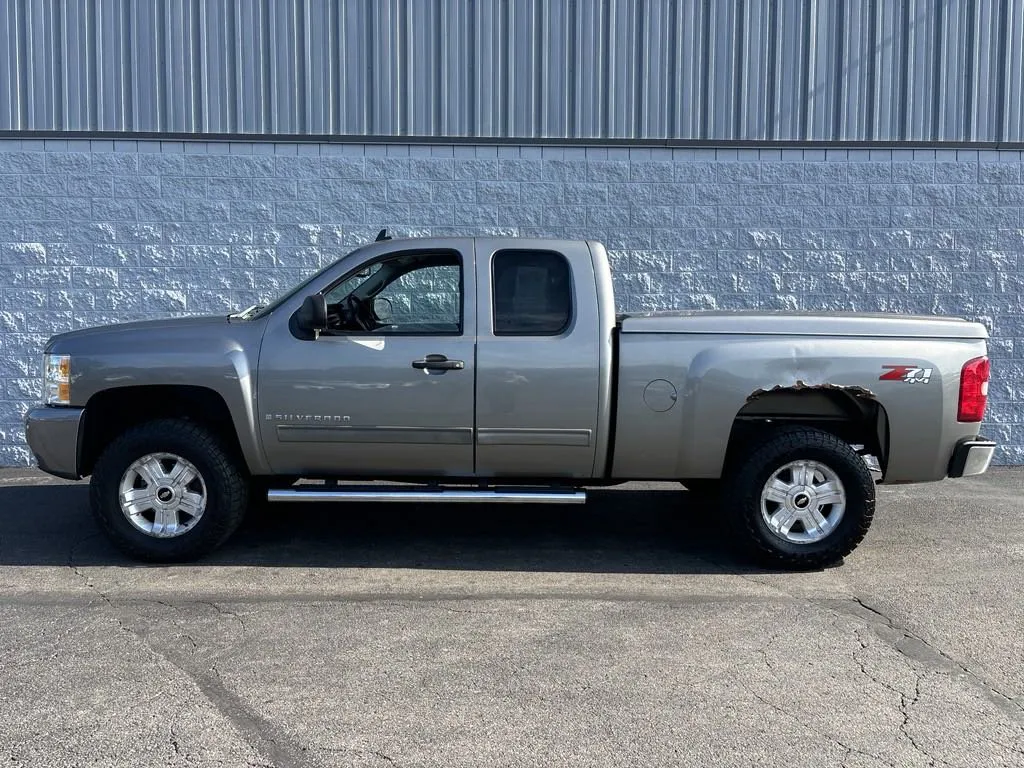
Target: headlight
[57, 379]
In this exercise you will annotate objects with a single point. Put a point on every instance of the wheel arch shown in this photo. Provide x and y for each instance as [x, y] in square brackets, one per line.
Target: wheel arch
[111, 412]
[850, 413]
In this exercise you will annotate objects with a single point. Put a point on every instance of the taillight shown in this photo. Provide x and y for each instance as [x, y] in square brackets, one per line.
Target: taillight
[973, 390]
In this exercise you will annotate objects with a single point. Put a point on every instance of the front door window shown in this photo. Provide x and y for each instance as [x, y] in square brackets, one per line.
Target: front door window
[410, 294]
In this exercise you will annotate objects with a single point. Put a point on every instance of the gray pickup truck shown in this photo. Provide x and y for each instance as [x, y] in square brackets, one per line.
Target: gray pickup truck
[496, 370]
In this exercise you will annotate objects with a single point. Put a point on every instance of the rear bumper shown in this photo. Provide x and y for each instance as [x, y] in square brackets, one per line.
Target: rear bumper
[971, 456]
[53, 434]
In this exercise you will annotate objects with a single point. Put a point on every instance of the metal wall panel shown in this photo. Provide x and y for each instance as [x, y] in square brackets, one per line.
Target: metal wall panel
[802, 70]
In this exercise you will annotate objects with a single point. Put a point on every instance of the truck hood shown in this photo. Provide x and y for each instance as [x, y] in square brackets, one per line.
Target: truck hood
[804, 324]
[145, 330]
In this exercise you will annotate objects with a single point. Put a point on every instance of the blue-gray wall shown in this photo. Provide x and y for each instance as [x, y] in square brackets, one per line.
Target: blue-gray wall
[95, 229]
[94, 232]
[826, 70]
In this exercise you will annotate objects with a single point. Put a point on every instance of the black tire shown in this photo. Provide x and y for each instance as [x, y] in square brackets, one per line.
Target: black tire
[226, 486]
[783, 446]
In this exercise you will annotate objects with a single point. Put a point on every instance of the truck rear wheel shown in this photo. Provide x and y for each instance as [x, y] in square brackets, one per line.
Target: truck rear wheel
[167, 491]
[804, 499]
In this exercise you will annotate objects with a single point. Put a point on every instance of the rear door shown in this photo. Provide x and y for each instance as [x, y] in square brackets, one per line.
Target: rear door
[538, 360]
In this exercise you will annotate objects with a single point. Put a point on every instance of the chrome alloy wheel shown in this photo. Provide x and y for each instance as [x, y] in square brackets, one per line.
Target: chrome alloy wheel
[162, 495]
[803, 502]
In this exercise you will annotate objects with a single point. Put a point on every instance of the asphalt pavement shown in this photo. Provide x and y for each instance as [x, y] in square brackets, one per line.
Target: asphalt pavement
[623, 633]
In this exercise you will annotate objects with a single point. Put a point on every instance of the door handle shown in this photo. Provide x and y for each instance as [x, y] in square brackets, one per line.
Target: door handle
[438, 363]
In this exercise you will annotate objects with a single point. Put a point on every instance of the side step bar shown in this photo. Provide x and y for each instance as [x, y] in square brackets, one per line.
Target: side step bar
[445, 496]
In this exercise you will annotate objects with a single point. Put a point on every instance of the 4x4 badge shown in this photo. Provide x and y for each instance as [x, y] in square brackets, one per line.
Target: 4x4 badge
[909, 374]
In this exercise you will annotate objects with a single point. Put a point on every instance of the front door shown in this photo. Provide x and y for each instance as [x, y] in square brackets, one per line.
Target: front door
[388, 388]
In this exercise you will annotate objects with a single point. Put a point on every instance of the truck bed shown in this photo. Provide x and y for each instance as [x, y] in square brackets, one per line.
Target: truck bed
[683, 377]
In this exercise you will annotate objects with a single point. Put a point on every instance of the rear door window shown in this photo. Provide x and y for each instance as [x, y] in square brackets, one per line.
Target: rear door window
[532, 293]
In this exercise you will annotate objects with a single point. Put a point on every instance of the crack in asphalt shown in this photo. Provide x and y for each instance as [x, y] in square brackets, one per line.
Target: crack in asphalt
[763, 651]
[850, 750]
[811, 729]
[905, 702]
[939, 658]
[77, 570]
[270, 741]
[258, 732]
[905, 706]
[876, 618]
[172, 737]
[388, 758]
[262, 735]
[114, 612]
[449, 609]
[357, 751]
[1004, 745]
[226, 612]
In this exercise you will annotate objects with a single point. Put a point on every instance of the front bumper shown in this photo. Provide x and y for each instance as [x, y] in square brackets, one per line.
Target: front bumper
[971, 456]
[54, 435]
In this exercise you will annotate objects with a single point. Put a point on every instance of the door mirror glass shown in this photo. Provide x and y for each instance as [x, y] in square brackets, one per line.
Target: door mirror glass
[312, 315]
[383, 310]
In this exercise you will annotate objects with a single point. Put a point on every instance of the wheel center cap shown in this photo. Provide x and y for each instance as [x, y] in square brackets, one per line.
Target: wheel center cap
[165, 495]
[801, 500]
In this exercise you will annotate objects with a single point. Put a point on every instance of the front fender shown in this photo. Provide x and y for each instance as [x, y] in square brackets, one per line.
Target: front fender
[222, 358]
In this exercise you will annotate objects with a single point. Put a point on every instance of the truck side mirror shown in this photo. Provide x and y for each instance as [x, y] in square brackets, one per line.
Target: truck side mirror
[312, 315]
[382, 309]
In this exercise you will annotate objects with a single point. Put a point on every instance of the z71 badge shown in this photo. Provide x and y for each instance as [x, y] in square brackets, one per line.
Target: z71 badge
[908, 374]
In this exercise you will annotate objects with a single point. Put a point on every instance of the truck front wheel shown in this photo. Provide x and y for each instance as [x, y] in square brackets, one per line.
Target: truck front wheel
[167, 491]
[804, 498]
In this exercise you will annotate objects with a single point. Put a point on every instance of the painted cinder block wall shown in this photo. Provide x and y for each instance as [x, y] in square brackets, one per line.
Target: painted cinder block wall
[95, 232]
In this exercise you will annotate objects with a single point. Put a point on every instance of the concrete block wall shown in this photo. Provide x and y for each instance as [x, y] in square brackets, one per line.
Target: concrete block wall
[95, 232]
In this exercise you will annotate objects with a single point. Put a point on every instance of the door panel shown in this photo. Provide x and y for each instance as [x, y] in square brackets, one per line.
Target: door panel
[376, 403]
[538, 395]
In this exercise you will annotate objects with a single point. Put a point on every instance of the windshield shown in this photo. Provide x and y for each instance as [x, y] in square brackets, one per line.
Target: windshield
[264, 311]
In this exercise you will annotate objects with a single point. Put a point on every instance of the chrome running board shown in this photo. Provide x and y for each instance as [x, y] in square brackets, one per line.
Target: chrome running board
[421, 495]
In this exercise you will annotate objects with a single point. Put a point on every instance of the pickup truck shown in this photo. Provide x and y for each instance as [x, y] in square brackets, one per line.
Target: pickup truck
[496, 370]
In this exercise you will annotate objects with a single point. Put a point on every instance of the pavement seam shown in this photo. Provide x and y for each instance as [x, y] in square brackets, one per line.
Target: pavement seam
[430, 598]
[258, 732]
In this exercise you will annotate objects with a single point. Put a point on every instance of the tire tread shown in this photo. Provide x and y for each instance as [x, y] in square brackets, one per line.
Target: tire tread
[231, 489]
[783, 442]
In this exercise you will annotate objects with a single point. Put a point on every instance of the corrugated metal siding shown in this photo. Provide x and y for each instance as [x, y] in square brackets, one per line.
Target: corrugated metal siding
[812, 70]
